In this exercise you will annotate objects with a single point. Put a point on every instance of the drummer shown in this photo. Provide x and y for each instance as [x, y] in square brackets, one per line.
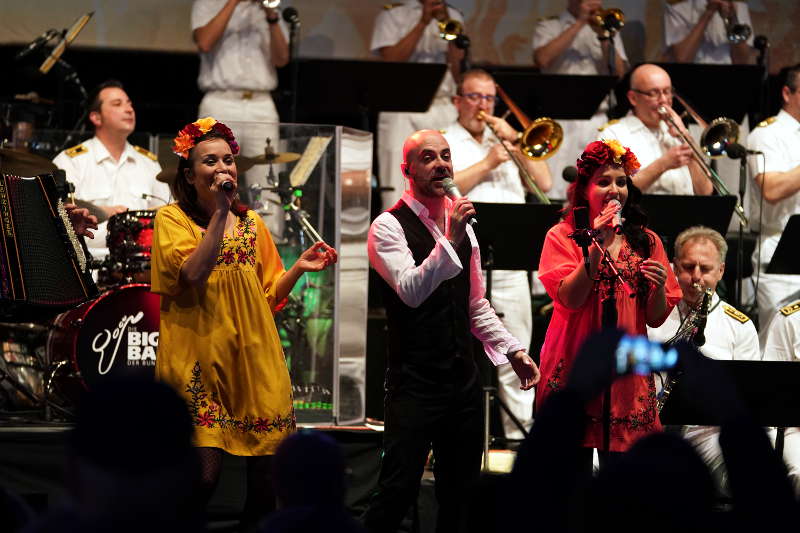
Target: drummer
[108, 171]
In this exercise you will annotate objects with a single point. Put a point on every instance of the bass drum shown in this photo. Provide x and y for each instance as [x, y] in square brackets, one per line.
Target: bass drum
[114, 335]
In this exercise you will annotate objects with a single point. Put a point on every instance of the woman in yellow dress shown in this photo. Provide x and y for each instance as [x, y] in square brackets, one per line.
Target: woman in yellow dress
[220, 278]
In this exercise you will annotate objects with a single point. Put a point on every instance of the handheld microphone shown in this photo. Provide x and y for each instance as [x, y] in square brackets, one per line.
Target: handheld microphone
[227, 186]
[291, 15]
[617, 221]
[569, 174]
[37, 43]
[451, 190]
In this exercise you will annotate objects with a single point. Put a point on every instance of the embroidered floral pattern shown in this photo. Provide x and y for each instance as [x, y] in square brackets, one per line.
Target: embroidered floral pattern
[554, 383]
[241, 247]
[207, 412]
[642, 419]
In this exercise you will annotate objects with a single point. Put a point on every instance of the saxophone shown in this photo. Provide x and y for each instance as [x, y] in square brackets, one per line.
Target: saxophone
[692, 329]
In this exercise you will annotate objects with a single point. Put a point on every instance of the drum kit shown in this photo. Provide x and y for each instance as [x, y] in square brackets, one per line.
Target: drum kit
[45, 365]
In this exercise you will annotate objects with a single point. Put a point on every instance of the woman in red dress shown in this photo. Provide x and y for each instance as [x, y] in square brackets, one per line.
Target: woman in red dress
[604, 174]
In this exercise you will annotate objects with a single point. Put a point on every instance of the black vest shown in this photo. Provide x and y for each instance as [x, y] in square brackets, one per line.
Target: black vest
[432, 343]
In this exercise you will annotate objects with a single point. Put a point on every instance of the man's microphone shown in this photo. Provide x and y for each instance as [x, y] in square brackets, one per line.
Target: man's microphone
[617, 220]
[451, 190]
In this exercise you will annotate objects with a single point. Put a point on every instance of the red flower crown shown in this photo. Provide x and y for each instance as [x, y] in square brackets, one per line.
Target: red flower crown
[187, 137]
[607, 152]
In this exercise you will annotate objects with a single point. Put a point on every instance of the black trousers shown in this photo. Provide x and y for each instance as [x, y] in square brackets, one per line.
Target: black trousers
[450, 423]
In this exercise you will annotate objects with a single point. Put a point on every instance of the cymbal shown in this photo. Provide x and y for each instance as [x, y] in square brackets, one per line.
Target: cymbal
[94, 209]
[24, 163]
[167, 174]
[275, 158]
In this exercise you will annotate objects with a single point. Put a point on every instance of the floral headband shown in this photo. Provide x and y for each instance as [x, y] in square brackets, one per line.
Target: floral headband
[187, 137]
[607, 152]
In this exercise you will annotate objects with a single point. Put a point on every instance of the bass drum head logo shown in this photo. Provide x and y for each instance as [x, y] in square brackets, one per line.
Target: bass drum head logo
[119, 335]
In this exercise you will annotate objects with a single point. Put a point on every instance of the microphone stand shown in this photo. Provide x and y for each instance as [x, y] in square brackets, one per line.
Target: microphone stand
[586, 238]
[70, 75]
[287, 195]
[294, 26]
[740, 239]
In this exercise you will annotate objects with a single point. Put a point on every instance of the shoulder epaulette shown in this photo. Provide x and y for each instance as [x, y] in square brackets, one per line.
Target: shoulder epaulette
[607, 124]
[146, 153]
[735, 313]
[392, 5]
[767, 122]
[791, 308]
[76, 150]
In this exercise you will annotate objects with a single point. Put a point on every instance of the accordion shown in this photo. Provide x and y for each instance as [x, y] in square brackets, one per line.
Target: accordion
[42, 262]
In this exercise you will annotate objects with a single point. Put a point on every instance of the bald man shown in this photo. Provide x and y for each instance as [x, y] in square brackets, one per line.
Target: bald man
[668, 166]
[429, 263]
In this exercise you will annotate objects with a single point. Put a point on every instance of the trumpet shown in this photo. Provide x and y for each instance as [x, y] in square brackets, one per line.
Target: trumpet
[450, 29]
[737, 32]
[708, 136]
[607, 22]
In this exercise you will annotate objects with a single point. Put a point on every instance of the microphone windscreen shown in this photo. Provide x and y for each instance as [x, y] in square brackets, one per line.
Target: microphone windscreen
[451, 189]
[227, 186]
[736, 151]
[569, 174]
[290, 14]
[581, 216]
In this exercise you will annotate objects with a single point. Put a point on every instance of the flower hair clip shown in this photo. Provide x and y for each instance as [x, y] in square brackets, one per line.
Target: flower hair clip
[187, 137]
[621, 155]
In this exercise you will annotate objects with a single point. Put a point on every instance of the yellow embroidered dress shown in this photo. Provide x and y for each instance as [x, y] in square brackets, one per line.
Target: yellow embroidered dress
[218, 345]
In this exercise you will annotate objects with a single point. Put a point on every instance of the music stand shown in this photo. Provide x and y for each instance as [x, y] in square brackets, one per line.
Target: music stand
[511, 237]
[353, 88]
[768, 388]
[670, 214]
[783, 260]
[693, 80]
[558, 96]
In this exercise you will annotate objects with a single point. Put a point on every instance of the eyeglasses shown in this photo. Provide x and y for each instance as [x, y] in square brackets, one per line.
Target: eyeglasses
[477, 97]
[655, 93]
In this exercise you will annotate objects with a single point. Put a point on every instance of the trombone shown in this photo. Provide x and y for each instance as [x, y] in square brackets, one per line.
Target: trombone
[715, 139]
[540, 139]
[607, 22]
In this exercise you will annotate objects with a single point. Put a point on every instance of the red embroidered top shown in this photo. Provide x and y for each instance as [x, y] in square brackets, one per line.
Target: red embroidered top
[633, 402]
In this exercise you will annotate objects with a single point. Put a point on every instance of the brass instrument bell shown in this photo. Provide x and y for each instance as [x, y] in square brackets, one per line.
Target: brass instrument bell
[450, 29]
[271, 4]
[607, 22]
[719, 134]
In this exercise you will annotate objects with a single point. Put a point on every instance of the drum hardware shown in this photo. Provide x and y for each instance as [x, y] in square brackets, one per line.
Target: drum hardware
[19, 163]
[607, 22]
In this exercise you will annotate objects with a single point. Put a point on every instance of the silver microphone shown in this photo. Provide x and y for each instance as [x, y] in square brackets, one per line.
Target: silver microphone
[451, 190]
[617, 220]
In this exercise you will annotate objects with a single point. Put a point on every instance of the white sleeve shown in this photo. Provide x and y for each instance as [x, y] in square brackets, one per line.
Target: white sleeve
[484, 323]
[544, 32]
[774, 158]
[676, 25]
[391, 257]
[65, 163]
[203, 11]
[783, 341]
[386, 32]
[747, 347]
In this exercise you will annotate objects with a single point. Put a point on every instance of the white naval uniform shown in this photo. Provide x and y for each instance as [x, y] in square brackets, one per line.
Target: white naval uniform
[782, 343]
[779, 139]
[393, 128]
[101, 180]
[649, 145]
[681, 17]
[585, 57]
[511, 293]
[730, 335]
[237, 76]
